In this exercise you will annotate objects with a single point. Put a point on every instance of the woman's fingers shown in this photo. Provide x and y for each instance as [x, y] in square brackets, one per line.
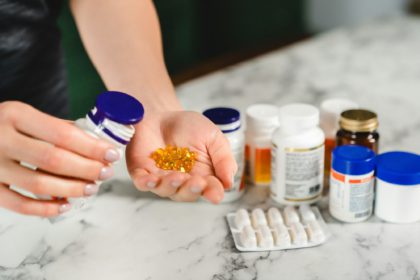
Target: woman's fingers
[144, 180]
[191, 190]
[58, 132]
[222, 159]
[214, 191]
[24, 205]
[56, 160]
[40, 183]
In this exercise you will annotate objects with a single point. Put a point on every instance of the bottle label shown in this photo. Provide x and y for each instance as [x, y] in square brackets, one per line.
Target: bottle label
[351, 197]
[262, 168]
[304, 173]
[248, 163]
[297, 173]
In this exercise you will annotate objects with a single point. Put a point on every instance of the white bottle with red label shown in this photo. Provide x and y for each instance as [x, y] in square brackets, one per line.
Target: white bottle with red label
[352, 183]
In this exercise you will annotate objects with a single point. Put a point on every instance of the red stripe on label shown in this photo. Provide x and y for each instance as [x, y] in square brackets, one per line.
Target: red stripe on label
[358, 181]
[338, 176]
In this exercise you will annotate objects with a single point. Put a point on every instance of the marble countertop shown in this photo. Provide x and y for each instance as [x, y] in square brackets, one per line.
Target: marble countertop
[133, 235]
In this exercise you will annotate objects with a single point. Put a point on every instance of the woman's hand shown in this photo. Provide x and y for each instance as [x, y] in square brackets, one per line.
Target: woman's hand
[68, 160]
[214, 168]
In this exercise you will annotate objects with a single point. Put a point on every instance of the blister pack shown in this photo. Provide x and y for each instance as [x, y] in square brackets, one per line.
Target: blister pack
[275, 229]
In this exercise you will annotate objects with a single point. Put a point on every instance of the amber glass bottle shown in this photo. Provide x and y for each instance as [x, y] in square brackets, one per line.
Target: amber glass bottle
[358, 127]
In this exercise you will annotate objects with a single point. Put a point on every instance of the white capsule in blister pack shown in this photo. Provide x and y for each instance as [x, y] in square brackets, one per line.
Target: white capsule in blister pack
[274, 217]
[257, 230]
[248, 238]
[242, 219]
[281, 235]
[298, 234]
[306, 213]
[290, 215]
[264, 237]
[258, 218]
[314, 231]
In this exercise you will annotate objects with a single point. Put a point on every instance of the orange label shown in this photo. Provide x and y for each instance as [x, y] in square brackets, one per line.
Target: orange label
[262, 169]
[337, 176]
[359, 181]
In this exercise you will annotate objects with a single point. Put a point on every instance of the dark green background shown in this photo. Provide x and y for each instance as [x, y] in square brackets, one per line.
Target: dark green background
[193, 32]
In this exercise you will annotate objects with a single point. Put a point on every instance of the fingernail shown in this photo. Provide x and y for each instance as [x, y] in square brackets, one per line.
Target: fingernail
[218, 199]
[196, 189]
[112, 155]
[106, 173]
[175, 184]
[151, 184]
[91, 189]
[64, 207]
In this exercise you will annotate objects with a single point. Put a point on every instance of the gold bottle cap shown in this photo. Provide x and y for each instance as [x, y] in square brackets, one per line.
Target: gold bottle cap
[359, 120]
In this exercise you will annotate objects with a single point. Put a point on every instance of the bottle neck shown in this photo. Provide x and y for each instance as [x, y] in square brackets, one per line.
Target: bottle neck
[230, 127]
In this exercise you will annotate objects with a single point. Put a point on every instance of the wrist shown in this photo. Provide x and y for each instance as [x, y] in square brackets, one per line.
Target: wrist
[157, 100]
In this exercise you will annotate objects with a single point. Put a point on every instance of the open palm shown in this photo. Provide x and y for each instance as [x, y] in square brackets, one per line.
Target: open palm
[214, 167]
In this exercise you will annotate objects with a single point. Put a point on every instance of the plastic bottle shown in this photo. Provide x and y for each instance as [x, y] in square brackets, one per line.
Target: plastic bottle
[297, 156]
[352, 183]
[398, 187]
[330, 111]
[261, 121]
[112, 120]
[229, 122]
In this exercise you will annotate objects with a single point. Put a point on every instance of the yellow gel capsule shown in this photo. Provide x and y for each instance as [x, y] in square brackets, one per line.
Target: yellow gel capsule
[174, 158]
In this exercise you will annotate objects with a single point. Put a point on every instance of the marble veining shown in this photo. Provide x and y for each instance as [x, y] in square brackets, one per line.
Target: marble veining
[133, 235]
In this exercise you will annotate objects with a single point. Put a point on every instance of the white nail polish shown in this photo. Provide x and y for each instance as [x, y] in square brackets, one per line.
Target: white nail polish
[151, 184]
[196, 189]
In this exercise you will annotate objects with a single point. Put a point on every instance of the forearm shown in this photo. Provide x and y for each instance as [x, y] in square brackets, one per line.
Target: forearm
[124, 43]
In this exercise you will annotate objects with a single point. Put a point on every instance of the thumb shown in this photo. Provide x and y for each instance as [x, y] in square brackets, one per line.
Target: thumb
[224, 163]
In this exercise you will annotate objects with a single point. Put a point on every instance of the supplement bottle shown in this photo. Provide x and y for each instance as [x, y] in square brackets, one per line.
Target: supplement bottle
[398, 187]
[228, 120]
[331, 110]
[111, 120]
[261, 121]
[297, 165]
[352, 183]
[358, 127]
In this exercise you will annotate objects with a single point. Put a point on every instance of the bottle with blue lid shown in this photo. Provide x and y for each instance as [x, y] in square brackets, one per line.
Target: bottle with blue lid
[352, 183]
[112, 120]
[229, 122]
[113, 117]
[398, 187]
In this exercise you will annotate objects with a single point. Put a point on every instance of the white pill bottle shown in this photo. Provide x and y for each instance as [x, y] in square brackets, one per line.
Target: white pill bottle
[229, 122]
[398, 187]
[297, 154]
[112, 120]
[352, 183]
[261, 122]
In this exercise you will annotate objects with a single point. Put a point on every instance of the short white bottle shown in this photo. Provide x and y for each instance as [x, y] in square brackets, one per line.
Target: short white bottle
[297, 156]
[261, 122]
[229, 122]
[112, 120]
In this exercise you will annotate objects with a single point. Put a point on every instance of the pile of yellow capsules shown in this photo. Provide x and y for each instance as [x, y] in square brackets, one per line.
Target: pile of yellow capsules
[174, 158]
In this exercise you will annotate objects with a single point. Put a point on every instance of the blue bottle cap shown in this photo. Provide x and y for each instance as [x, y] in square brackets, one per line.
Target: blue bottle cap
[118, 107]
[353, 160]
[228, 119]
[401, 168]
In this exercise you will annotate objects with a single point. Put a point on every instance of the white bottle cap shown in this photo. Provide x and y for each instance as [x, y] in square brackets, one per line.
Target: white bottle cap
[330, 114]
[298, 116]
[262, 116]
